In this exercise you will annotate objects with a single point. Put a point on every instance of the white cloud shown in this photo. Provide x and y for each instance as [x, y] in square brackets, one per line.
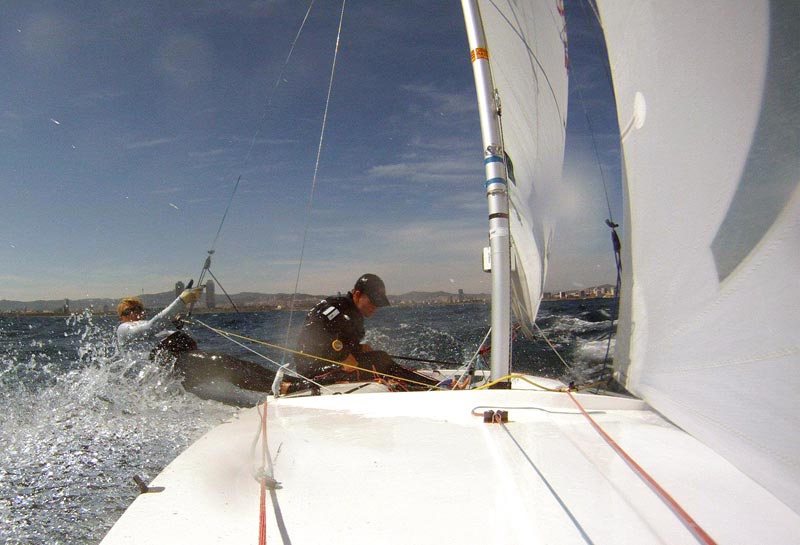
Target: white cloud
[442, 102]
[154, 142]
[447, 171]
[186, 59]
[49, 38]
[207, 154]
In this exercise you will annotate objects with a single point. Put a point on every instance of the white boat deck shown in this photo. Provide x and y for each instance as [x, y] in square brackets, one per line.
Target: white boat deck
[422, 468]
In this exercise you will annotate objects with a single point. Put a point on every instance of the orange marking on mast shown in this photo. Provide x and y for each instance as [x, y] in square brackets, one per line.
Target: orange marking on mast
[479, 53]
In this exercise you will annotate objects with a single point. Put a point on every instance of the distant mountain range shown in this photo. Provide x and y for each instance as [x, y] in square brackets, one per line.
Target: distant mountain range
[243, 301]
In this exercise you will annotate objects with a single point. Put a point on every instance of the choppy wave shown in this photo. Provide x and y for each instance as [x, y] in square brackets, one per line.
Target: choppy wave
[77, 423]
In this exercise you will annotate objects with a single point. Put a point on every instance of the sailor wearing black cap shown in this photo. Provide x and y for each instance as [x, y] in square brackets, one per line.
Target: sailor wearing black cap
[333, 332]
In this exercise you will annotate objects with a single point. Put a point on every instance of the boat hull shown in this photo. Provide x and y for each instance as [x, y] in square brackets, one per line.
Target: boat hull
[424, 467]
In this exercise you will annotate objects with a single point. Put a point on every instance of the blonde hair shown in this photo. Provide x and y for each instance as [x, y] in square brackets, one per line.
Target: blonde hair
[128, 304]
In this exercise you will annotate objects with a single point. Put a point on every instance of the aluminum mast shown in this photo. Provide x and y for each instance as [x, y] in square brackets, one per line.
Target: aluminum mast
[496, 191]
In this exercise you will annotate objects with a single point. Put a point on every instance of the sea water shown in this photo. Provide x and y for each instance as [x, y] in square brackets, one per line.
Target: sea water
[77, 422]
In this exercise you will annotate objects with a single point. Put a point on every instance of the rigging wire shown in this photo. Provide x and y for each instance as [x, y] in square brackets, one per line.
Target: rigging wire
[601, 47]
[469, 363]
[207, 263]
[424, 360]
[225, 215]
[615, 241]
[310, 205]
[469, 367]
[617, 257]
[555, 351]
[223, 290]
[230, 337]
[233, 338]
[273, 92]
[278, 81]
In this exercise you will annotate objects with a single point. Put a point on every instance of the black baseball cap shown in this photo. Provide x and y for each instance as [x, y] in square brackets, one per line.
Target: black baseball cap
[373, 286]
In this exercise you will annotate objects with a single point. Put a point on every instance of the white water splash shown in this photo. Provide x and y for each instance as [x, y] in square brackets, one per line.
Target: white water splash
[73, 439]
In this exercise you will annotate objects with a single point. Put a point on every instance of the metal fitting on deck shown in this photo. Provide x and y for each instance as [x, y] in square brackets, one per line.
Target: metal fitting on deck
[495, 417]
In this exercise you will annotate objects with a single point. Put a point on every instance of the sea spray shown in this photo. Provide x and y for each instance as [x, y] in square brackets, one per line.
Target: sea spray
[77, 423]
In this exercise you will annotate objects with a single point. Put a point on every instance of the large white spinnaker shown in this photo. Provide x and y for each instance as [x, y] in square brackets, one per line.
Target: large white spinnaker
[708, 98]
[530, 78]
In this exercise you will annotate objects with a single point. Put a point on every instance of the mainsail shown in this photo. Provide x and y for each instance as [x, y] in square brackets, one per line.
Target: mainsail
[531, 81]
[710, 345]
[708, 96]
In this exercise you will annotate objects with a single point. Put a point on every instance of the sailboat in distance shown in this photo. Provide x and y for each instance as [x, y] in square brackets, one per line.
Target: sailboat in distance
[709, 117]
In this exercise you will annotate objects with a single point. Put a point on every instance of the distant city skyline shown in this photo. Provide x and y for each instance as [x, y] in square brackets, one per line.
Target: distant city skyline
[125, 128]
[209, 300]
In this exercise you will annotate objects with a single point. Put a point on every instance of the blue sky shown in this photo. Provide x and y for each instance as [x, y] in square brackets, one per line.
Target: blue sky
[124, 127]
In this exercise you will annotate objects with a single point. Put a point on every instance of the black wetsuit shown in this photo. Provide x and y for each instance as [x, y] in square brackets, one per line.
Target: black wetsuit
[215, 376]
[333, 330]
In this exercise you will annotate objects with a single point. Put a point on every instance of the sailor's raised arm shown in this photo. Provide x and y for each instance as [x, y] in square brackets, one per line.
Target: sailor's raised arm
[131, 314]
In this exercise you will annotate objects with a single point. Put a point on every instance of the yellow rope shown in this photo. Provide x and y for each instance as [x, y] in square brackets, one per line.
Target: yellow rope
[520, 377]
[385, 375]
[290, 351]
[590, 385]
[525, 378]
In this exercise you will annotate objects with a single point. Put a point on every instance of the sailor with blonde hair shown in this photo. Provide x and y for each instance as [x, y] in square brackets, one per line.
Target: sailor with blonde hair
[134, 330]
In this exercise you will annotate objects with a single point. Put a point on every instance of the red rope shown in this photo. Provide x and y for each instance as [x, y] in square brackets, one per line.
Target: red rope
[699, 533]
[262, 517]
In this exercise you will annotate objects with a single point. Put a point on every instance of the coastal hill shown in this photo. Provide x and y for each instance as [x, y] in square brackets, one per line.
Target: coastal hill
[251, 301]
[248, 301]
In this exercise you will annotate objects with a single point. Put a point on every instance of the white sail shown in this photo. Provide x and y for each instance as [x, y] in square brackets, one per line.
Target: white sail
[527, 51]
[705, 336]
[708, 96]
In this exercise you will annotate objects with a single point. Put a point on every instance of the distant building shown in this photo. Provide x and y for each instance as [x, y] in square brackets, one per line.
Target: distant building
[211, 301]
[605, 291]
